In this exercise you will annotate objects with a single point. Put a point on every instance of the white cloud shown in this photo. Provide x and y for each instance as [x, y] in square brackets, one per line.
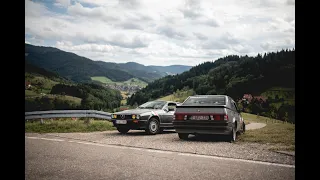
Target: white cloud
[290, 2]
[63, 3]
[158, 31]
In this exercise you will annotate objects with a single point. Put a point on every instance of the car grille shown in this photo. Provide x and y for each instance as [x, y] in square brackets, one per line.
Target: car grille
[125, 117]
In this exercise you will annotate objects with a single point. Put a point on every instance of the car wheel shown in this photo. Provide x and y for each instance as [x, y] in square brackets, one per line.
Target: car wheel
[123, 130]
[183, 136]
[153, 126]
[233, 135]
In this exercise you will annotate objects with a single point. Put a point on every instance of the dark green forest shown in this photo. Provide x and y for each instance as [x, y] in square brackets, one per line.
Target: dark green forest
[231, 75]
[94, 97]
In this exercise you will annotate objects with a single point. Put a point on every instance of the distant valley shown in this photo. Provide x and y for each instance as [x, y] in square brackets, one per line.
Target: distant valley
[81, 69]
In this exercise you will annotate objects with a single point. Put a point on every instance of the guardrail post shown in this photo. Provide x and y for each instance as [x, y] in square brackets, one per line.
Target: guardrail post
[41, 121]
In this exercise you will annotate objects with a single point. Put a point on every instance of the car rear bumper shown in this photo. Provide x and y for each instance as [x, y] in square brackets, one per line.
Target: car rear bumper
[141, 124]
[202, 127]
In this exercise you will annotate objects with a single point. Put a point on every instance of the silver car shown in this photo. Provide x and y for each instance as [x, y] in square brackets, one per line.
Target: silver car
[152, 116]
[208, 114]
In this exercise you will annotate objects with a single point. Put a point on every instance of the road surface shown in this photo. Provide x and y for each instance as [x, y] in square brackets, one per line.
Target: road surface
[58, 158]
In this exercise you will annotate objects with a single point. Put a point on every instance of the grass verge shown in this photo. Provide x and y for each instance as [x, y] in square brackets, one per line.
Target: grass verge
[279, 135]
[68, 125]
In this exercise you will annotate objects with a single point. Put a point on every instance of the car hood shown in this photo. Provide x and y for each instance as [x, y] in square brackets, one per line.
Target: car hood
[135, 111]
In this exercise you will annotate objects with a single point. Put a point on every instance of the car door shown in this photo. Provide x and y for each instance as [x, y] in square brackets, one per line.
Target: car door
[168, 115]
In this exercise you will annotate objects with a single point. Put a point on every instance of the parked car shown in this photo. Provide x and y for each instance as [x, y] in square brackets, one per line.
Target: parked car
[208, 114]
[153, 117]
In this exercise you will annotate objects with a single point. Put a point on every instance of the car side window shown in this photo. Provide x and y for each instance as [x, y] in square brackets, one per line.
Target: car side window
[172, 105]
[235, 105]
[232, 106]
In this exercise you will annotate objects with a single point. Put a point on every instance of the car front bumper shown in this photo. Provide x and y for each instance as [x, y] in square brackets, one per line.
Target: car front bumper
[139, 125]
[202, 127]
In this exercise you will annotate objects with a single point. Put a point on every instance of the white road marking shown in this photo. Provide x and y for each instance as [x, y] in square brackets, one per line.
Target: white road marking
[159, 151]
[234, 159]
[170, 152]
[45, 138]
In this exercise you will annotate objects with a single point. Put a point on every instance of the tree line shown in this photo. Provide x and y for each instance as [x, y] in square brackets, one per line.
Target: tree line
[94, 97]
[231, 75]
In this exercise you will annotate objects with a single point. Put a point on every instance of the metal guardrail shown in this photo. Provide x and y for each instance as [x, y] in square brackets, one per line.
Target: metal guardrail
[67, 113]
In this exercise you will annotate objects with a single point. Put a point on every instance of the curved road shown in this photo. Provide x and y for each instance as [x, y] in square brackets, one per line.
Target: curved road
[61, 158]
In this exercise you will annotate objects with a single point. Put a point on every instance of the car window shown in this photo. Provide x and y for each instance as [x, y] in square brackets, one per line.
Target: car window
[235, 105]
[205, 101]
[232, 105]
[152, 105]
[172, 105]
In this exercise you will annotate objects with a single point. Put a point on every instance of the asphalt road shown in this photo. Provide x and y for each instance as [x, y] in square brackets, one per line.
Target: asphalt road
[63, 158]
[169, 141]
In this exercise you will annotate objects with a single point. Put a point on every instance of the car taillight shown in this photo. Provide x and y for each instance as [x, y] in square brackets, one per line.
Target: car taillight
[217, 117]
[225, 117]
[180, 117]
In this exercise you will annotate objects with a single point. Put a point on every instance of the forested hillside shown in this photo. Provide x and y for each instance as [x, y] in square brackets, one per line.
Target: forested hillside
[46, 90]
[232, 75]
[81, 69]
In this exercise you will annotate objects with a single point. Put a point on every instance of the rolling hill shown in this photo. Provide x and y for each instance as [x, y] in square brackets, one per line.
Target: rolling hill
[235, 76]
[81, 69]
[46, 90]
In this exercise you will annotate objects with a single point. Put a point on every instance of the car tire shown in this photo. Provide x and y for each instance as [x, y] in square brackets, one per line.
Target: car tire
[233, 135]
[123, 130]
[153, 126]
[183, 136]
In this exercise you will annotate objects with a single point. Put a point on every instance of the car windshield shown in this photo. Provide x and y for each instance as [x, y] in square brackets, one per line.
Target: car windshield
[152, 105]
[205, 101]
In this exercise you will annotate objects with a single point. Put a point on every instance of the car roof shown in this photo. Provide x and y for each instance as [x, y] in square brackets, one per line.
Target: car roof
[210, 95]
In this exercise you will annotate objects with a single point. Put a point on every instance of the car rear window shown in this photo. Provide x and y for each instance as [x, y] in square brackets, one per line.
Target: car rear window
[205, 101]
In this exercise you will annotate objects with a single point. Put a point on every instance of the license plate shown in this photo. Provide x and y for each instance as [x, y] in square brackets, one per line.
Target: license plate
[121, 121]
[199, 117]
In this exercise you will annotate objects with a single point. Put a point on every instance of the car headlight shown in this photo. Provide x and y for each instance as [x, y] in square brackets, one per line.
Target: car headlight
[135, 116]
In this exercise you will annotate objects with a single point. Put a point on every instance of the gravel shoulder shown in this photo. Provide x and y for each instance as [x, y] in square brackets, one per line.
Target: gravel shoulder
[252, 126]
[170, 141]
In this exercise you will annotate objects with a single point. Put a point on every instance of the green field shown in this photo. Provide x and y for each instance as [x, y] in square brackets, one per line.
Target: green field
[130, 82]
[178, 96]
[40, 84]
[279, 135]
[75, 100]
[29, 93]
[68, 125]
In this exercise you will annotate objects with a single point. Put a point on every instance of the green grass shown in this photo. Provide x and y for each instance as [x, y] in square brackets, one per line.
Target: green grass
[75, 100]
[129, 82]
[177, 96]
[280, 136]
[29, 93]
[124, 102]
[102, 79]
[68, 125]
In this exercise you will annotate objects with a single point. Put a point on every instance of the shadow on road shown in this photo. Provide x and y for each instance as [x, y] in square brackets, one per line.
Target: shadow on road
[139, 133]
[207, 138]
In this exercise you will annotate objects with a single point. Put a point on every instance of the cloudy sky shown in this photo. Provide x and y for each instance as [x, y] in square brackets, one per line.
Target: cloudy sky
[161, 32]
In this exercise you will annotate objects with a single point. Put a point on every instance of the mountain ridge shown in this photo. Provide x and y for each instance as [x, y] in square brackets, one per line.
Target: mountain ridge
[81, 69]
